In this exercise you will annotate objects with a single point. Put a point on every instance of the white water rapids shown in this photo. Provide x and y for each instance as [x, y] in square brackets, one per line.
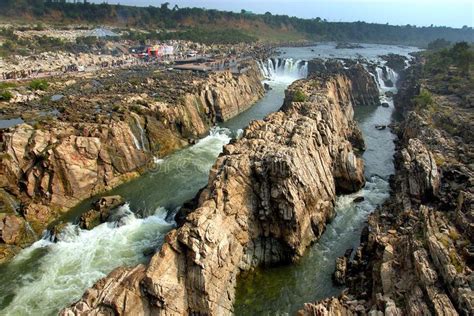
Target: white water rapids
[81, 257]
[60, 271]
[283, 70]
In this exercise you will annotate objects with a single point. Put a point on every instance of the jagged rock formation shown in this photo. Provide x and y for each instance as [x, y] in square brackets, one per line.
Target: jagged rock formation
[416, 256]
[409, 86]
[364, 87]
[52, 165]
[395, 62]
[270, 195]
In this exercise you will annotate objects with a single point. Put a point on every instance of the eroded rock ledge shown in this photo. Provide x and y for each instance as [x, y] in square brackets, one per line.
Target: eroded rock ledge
[270, 195]
[106, 134]
[364, 88]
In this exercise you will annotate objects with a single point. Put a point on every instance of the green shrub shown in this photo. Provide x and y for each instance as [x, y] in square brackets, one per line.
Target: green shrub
[299, 96]
[39, 84]
[5, 95]
[39, 27]
[5, 85]
[424, 99]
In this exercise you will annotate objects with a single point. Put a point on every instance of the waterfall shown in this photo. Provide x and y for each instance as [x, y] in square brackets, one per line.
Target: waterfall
[380, 79]
[392, 75]
[139, 144]
[142, 132]
[30, 230]
[135, 141]
[287, 69]
[380, 76]
[15, 206]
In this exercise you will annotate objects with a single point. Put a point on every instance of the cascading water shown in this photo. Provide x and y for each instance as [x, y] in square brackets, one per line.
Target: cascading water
[15, 206]
[284, 70]
[78, 258]
[380, 76]
[135, 141]
[388, 76]
[392, 75]
[140, 144]
[48, 275]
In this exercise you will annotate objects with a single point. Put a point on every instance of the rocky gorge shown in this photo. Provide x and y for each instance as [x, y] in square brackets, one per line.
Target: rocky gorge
[162, 159]
[269, 196]
[415, 256]
[81, 149]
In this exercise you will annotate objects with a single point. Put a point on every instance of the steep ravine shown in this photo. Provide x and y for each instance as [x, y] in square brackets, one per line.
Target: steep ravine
[270, 195]
[51, 274]
[284, 289]
[415, 256]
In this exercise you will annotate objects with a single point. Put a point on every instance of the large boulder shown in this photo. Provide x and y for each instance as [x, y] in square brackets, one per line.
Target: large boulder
[395, 61]
[364, 87]
[102, 211]
[422, 173]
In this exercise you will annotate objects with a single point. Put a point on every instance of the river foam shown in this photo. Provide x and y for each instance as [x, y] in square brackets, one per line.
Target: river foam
[79, 258]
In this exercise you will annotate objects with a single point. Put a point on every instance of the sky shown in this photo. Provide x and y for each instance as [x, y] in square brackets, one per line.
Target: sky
[454, 13]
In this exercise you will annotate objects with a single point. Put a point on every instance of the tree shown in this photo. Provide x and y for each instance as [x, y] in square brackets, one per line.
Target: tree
[165, 6]
[439, 44]
[460, 47]
[463, 57]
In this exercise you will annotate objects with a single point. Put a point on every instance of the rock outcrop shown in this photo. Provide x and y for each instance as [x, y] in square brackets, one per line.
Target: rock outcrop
[416, 255]
[395, 61]
[364, 87]
[270, 195]
[101, 212]
[50, 166]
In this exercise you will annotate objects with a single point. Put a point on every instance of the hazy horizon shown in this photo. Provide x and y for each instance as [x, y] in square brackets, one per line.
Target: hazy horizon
[454, 13]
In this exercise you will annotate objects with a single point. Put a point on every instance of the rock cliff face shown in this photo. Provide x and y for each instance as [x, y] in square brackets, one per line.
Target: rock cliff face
[416, 255]
[270, 195]
[364, 87]
[51, 166]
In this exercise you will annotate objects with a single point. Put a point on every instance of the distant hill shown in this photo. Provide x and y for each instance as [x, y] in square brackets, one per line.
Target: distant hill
[247, 25]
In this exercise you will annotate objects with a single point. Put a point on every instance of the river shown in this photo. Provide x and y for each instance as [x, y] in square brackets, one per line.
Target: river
[48, 275]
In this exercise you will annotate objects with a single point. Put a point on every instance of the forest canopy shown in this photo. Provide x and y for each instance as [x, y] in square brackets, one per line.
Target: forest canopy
[253, 26]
